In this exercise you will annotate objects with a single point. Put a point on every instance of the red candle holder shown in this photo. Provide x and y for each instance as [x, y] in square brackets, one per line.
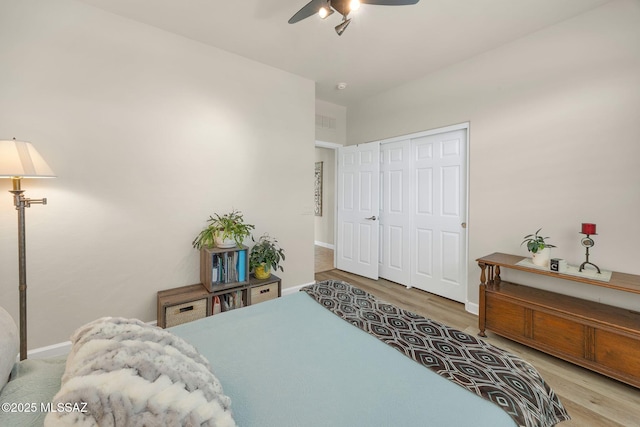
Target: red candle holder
[588, 229]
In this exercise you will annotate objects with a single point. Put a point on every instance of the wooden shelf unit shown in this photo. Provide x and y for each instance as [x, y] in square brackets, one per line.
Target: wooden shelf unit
[185, 303]
[600, 337]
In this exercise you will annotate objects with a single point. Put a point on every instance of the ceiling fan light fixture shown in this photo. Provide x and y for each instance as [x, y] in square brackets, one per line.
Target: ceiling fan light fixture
[325, 11]
[342, 26]
[325, 8]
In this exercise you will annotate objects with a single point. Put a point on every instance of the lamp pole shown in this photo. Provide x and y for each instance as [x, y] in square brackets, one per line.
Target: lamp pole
[21, 160]
[21, 203]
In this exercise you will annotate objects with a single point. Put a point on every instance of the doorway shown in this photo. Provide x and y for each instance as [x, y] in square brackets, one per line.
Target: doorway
[324, 220]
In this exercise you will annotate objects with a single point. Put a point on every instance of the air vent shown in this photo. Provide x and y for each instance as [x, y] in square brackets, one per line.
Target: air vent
[325, 122]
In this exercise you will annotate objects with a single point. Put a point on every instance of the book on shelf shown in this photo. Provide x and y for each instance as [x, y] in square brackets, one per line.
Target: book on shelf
[229, 267]
[242, 265]
[217, 306]
[215, 269]
[231, 300]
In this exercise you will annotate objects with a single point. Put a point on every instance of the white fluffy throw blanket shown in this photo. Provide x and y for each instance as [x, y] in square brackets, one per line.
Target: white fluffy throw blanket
[122, 372]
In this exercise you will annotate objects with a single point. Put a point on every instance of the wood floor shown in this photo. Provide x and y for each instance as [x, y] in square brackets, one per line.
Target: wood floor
[591, 399]
[323, 259]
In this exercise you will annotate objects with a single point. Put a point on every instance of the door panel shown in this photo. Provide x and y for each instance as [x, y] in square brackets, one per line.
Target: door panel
[451, 253]
[439, 253]
[424, 191]
[365, 187]
[423, 254]
[395, 211]
[358, 193]
[347, 241]
[451, 191]
[396, 196]
[365, 234]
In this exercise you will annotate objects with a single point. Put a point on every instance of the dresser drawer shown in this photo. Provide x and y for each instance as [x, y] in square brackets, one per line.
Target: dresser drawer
[505, 315]
[564, 335]
[185, 312]
[264, 292]
[619, 352]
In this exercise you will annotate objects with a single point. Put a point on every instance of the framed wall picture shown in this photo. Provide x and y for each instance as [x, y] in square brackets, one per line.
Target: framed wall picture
[318, 189]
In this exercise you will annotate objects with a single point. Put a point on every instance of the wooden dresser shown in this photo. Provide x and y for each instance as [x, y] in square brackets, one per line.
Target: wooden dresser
[599, 337]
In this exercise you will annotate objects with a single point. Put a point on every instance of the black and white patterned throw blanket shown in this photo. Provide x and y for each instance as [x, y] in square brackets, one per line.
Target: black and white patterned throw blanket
[500, 377]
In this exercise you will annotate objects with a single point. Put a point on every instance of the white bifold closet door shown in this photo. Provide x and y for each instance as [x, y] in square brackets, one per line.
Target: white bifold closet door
[422, 213]
[395, 212]
[357, 209]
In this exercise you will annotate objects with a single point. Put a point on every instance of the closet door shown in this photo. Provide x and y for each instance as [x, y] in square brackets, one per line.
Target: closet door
[438, 235]
[358, 204]
[395, 211]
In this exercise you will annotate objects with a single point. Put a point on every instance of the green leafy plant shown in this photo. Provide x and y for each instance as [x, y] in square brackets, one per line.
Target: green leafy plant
[230, 226]
[266, 251]
[536, 243]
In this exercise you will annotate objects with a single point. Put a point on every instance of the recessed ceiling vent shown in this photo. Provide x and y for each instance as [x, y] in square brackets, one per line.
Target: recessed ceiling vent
[325, 122]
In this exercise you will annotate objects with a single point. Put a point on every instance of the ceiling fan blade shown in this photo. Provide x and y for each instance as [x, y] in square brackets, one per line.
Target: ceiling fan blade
[389, 2]
[308, 10]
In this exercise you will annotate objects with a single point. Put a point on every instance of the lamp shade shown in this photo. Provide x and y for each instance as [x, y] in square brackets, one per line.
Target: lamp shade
[20, 159]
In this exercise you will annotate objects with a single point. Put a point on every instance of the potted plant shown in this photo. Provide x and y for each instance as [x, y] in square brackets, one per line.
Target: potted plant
[539, 249]
[224, 231]
[265, 255]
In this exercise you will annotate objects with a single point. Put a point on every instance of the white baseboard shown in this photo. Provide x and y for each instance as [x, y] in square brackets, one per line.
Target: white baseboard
[472, 308]
[294, 289]
[55, 350]
[325, 245]
[60, 349]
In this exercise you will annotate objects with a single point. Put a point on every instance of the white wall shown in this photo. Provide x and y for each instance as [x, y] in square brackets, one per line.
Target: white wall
[149, 133]
[554, 139]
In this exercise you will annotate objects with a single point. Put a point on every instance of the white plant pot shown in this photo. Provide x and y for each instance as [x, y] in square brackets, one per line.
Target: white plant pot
[225, 243]
[541, 258]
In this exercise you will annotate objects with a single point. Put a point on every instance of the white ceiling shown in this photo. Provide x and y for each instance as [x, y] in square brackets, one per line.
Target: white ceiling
[384, 46]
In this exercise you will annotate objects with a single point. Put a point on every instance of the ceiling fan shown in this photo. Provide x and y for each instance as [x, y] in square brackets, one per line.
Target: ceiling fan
[325, 8]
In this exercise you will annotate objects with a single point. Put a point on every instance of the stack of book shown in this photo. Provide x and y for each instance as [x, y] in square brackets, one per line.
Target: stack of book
[231, 301]
[229, 267]
[226, 302]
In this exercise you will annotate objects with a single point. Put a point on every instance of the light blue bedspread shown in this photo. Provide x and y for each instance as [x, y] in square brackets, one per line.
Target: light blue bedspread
[291, 362]
[33, 382]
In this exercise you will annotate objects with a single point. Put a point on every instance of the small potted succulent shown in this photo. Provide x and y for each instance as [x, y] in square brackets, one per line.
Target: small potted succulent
[539, 248]
[224, 231]
[265, 256]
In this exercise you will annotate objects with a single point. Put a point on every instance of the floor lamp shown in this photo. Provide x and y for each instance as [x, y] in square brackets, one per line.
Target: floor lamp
[20, 160]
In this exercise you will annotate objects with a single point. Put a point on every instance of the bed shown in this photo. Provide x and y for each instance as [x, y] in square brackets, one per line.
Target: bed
[331, 355]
